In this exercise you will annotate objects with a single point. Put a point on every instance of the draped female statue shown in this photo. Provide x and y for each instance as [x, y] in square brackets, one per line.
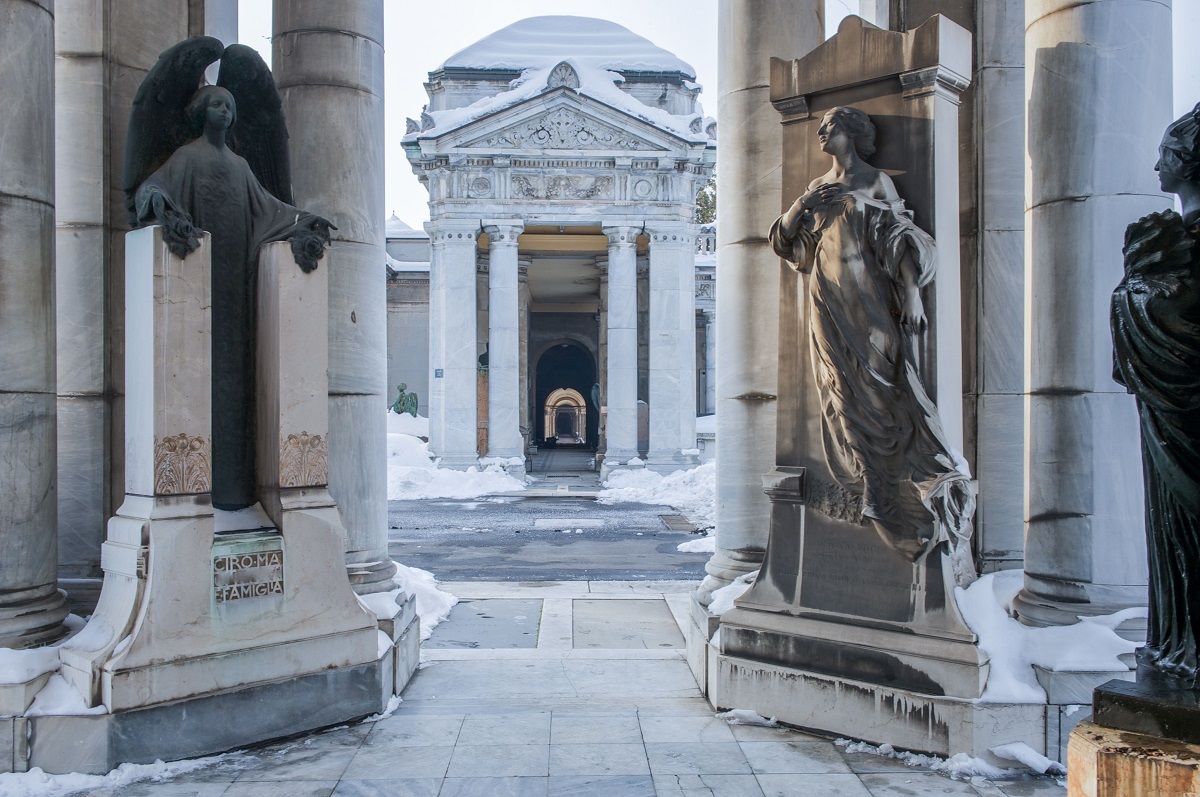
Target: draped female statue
[190, 169]
[1156, 356]
[866, 263]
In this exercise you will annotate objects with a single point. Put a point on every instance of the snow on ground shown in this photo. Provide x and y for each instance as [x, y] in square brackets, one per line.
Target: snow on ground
[412, 474]
[705, 544]
[959, 766]
[433, 604]
[723, 598]
[692, 492]
[36, 783]
[1091, 645]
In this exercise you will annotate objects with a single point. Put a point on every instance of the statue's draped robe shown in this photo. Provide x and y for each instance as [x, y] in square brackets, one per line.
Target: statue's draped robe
[882, 436]
[1156, 356]
[220, 192]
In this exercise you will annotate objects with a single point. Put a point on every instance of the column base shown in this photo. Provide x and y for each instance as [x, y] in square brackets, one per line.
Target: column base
[614, 462]
[725, 567]
[458, 461]
[1106, 762]
[1047, 602]
[673, 461]
[33, 617]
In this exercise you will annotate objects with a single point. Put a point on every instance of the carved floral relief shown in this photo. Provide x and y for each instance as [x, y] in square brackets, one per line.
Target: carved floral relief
[561, 187]
[303, 460]
[182, 465]
[563, 128]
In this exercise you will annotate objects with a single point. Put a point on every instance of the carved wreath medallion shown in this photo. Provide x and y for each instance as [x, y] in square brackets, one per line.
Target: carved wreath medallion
[303, 460]
[182, 465]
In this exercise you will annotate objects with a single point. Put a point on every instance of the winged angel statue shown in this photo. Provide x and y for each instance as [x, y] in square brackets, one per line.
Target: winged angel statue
[215, 158]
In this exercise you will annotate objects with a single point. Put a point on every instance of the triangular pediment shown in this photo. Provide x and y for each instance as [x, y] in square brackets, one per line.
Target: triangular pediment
[564, 120]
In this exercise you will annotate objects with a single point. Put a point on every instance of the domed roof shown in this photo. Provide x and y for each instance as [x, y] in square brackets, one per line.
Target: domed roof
[539, 42]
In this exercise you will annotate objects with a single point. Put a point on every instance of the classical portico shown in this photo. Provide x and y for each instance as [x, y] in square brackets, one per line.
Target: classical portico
[544, 200]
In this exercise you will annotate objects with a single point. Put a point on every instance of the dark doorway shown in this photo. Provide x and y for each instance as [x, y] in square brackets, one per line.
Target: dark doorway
[567, 366]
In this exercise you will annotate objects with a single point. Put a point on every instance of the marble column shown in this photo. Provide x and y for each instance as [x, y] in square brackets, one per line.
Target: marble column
[459, 358]
[602, 358]
[31, 607]
[710, 361]
[622, 345]
[504, 336]
[437, 309]
[1098, 94]
[672, 348]
[523, 299]
[328, 64]
[751, 32]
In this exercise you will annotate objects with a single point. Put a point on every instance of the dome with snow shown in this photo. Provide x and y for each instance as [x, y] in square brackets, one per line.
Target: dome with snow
[543, 41]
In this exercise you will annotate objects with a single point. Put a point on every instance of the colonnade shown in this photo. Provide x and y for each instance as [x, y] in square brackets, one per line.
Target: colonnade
[458, 337]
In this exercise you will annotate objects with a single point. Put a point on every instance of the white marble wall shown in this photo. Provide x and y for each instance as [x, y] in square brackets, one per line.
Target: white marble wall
[1098, 92]
[31, 608]
[504, 341]
[328, 64]
[751, 32]
[1000, 318]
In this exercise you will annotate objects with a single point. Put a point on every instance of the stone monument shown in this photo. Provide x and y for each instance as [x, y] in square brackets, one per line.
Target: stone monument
[852, 626]
[1144, 737]
[203, 610]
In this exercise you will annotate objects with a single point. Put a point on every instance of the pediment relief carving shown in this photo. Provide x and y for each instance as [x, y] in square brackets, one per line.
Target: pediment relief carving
[563, 128]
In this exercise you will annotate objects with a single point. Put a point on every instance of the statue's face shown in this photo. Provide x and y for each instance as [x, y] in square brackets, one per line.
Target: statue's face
[833, 136]
[219, 111]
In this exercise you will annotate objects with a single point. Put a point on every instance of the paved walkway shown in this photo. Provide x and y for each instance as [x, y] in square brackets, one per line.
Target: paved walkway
[570, 688]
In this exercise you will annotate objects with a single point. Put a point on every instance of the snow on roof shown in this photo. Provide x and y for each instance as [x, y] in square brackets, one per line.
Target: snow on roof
[594, 82]
[539, 42]
[394, 226]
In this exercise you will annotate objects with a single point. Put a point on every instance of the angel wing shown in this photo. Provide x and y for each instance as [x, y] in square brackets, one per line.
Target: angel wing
[157, 124]
[260, 134]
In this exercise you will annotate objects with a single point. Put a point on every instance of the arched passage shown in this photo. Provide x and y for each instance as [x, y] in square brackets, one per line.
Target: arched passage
[566, 367]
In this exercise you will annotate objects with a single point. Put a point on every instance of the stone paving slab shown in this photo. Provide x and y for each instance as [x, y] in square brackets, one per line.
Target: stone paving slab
[553, 720]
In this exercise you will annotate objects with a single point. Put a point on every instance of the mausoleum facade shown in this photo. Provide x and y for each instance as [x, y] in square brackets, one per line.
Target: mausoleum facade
[562, 156]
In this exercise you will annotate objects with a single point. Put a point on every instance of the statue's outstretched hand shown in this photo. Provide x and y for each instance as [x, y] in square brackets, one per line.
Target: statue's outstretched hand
[912, 315]
[179, 234]
[309, 241]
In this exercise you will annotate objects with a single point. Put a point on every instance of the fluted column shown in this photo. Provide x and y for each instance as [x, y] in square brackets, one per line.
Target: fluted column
[456, 370]
[328, 64]
[437, 303]
[751, 31]
[672, 348]
[31, 607]
[504, 383]
[1090, 172]
[622, 345]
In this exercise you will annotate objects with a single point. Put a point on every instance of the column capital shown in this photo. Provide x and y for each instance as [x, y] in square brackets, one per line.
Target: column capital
[502, 232]
[444, 231]
[621, 236]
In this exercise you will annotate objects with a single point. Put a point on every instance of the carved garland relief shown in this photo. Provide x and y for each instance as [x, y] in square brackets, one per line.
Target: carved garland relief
[563, 128]
[182, 465]
[303, 460]
[561, 187]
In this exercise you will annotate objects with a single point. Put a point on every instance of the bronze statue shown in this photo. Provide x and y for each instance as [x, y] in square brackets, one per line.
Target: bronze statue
[1156, 356]
[189, 167]
[405, 401]
[866, 263]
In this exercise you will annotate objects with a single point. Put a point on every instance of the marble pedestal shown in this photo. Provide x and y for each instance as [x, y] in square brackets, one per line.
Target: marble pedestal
[1106, 762]
[192, 623]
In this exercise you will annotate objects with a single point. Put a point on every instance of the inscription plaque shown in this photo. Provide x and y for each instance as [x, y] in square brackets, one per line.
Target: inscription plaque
[246, 566]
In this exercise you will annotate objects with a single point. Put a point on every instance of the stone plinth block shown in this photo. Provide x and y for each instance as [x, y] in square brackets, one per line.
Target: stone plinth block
[168, 367]
[1105, 762]
[903, 718]
[1149, 709]
[186, 613]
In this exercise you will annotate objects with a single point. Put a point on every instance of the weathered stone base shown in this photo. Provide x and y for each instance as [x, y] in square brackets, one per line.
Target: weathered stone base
[204, 725]
[15, 698]
[1104, 762]
[907, 720]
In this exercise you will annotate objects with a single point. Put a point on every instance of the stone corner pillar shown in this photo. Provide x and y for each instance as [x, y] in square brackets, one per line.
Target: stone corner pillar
[504, 343]
[747, 346]
[621, 417]
[31, 606]
[672, 339]
[453, 320]
[1089, 173]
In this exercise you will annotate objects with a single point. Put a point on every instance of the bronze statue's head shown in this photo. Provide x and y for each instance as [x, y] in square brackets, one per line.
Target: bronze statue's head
[1179, 152]
[858, 127]
[197, 107]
